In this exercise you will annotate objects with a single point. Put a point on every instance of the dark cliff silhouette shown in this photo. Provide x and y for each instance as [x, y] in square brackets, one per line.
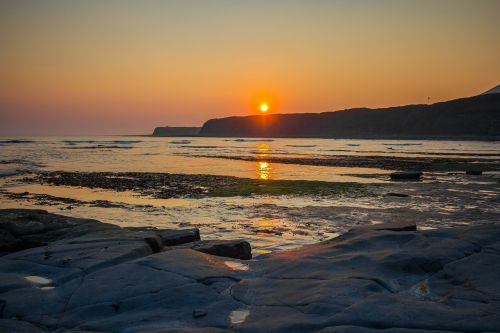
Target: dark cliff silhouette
[176, 131]
[475, 117]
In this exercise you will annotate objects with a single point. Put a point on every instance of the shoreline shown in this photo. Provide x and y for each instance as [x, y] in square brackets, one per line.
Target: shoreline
[403, 138]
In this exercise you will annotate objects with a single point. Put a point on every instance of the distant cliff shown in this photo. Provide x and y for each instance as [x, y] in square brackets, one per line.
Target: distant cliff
[176, 131]
[475, 117]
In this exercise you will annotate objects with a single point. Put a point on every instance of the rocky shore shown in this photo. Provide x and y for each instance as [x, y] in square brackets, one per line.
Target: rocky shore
[62, 274]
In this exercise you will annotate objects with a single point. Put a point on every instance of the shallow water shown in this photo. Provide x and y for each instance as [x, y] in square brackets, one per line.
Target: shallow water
[269, 223]
[177, 155]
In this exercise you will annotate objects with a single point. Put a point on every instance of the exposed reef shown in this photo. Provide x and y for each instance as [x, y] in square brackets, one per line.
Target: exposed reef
[167, 185]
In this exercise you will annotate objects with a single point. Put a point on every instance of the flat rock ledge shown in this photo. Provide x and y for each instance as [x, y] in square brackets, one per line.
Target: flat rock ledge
[62, 274]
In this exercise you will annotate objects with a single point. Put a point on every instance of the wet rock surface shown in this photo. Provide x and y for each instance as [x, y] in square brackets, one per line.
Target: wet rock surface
[237, 249]
[176, 237]
[20, 229]
[95, 277]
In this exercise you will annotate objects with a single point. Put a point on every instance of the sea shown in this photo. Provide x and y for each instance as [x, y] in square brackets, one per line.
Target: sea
[185, 155]
[269, 222]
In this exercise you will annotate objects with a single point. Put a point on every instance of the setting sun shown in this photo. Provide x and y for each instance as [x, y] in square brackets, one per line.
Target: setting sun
[264, 107]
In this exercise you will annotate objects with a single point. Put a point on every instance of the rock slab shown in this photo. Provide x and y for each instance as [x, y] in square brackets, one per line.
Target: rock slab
[107, 279]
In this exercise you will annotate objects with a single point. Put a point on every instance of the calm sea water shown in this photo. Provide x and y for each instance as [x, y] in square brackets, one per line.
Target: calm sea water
[179, 155]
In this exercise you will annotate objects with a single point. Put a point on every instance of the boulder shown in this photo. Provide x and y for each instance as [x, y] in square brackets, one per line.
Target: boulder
[171, 237]
[406, 175]
[237, 249]
[155, 243]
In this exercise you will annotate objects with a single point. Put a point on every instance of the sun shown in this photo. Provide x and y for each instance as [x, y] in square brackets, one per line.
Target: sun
[264, 107]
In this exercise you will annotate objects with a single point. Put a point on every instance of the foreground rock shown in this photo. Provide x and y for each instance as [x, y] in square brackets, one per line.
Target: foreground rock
[22, 229]
[237, 249]
[176, 237]
[367, 280]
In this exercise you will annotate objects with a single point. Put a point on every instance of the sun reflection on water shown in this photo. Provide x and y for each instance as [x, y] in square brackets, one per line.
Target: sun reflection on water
[263, 149]
[263, 168]
[265, 222]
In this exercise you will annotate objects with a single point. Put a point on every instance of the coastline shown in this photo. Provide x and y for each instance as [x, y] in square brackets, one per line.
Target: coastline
[403, 138]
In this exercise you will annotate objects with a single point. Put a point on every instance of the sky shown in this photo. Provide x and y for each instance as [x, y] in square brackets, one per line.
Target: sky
[125, 67]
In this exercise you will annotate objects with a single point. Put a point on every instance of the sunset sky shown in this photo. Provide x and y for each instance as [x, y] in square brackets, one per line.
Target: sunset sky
[124, 67]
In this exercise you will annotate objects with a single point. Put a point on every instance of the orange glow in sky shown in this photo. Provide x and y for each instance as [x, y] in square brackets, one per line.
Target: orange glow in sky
[123, 67]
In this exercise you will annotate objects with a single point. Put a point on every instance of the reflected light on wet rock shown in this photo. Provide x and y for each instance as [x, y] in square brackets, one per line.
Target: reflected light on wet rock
[257, 252]
[236, 265]
[238, 316]
[37, 279]
[47, 288]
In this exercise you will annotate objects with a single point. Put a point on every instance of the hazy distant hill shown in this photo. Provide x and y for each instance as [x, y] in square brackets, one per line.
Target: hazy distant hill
[475, 117]
[176, 131]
